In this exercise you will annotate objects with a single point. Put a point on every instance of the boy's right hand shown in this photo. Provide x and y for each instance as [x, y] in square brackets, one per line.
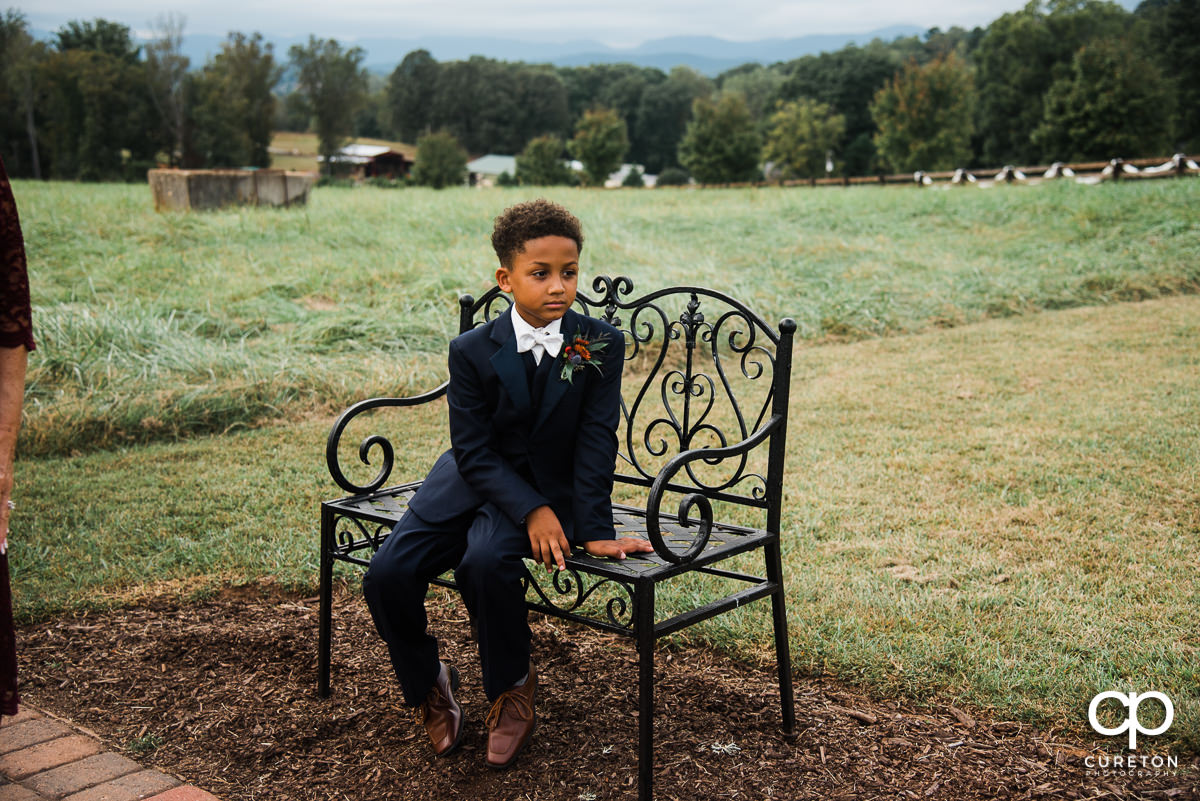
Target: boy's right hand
[546, 538]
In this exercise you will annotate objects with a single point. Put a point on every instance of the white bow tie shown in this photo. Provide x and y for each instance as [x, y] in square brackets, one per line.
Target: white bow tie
[527, 340]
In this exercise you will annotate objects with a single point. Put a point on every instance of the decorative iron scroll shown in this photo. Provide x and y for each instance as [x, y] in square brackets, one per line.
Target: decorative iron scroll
[486, 307]
[347, 543]
[695, 500]
[569, 592]
[673, 408]
[375, 440]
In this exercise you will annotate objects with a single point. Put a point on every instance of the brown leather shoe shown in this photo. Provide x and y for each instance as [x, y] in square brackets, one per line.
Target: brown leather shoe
[510, 722]
[440, 714]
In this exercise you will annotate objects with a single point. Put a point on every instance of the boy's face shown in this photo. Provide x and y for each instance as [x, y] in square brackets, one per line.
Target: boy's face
[542, 279]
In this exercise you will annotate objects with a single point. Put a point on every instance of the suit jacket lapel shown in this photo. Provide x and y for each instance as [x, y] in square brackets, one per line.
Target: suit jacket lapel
[556, 386]
[508, 365]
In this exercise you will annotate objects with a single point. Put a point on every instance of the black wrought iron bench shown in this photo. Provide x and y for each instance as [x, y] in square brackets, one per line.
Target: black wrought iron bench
[704, 419]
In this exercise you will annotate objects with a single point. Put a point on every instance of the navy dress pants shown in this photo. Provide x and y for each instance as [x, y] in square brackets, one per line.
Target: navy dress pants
[485, 549]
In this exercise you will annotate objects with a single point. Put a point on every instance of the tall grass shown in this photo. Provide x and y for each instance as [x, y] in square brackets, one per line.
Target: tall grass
[202, 321]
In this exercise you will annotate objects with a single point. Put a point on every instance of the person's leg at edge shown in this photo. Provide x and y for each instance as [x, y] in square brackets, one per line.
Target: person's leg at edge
[395, 586]
[490, 578]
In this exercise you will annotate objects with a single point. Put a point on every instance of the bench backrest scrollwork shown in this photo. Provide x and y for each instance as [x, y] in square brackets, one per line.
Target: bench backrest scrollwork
[702, 371]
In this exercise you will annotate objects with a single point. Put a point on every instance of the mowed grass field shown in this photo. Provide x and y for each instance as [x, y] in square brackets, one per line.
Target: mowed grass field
[993, 454]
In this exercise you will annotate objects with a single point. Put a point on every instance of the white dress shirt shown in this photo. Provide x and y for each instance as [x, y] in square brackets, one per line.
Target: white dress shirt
[538, 340]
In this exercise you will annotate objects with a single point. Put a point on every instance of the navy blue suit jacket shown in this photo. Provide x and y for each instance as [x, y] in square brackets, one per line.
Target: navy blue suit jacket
[566, 445]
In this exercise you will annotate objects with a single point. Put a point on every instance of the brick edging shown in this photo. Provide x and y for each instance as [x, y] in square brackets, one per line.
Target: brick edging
[44, 757]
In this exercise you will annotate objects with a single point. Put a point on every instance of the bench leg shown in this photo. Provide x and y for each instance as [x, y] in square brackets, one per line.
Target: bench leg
[325, 614]
[644, 621]
[783, 654]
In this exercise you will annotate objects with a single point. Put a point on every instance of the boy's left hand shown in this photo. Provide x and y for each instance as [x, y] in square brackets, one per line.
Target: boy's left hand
[619, 548]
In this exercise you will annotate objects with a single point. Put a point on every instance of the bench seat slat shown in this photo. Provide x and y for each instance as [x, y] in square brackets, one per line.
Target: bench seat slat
[384, 508]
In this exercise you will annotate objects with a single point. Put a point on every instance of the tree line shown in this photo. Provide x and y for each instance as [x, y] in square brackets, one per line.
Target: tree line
[1062, 80]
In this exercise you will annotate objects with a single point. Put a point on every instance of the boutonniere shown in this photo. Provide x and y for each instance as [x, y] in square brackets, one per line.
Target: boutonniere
[579, 353]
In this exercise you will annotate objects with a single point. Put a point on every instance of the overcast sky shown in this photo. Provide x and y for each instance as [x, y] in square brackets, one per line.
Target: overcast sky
[618, 23]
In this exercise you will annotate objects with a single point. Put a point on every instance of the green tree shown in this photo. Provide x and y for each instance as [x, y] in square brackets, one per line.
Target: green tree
[1022, 54]
[373, 118]
[633, 179]
[847, 80]
[410, 95]
[540, 98]
[956, 40]
[99, 121]
[801, 135]
[721, 144]
[1171, 36]
[624, 89]
[473, 102]
[620, 87]
[166, 73]
[233, 105]
[759, 86]
[98, 36]
[214, 138]
[663, 116]
[601, 141]
[20, 57]
[441, 161]
[925, 116]
[1114, 103]
[673, 176]
[541, 163]
[251, 63]
[292, 113]
[493, 106]
[615, 86]
[334, 84]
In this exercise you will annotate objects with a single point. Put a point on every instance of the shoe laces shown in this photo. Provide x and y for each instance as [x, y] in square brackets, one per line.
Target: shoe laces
[422, 711]
[521, 708]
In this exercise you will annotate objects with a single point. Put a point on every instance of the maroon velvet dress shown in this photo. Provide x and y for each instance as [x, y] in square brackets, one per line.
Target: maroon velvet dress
[16, 330]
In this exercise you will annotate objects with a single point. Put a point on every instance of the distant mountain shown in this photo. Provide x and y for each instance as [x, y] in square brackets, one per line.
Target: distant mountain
[710, 55]
[769, 50]
[706, 65]
[707, 54]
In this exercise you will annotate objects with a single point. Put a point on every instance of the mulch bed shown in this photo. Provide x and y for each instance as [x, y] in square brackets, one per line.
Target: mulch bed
[222, 693]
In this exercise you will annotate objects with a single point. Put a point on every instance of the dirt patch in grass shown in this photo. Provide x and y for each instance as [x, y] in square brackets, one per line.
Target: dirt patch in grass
[222, 693]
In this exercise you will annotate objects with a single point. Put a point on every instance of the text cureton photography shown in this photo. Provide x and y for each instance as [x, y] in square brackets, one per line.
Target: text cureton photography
[1130, 764]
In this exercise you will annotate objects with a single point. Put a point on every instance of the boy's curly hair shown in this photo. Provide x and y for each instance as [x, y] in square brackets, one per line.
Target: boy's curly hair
[532, 220]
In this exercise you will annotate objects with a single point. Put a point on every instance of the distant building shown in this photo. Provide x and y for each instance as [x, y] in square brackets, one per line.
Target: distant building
[370, 161]
[486, 170]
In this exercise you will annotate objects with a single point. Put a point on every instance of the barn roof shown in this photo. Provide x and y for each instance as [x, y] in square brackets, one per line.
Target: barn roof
[362, 154]
[493, 164]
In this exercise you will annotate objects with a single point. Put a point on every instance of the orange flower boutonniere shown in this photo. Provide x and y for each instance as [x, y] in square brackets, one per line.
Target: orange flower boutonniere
[581, 352]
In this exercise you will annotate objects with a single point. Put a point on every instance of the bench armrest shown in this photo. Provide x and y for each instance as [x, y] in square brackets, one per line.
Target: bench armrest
[662, 484]
[335, 438]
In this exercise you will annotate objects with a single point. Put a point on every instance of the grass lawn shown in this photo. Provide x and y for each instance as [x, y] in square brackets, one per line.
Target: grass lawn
[988, 507]
[161, 325]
